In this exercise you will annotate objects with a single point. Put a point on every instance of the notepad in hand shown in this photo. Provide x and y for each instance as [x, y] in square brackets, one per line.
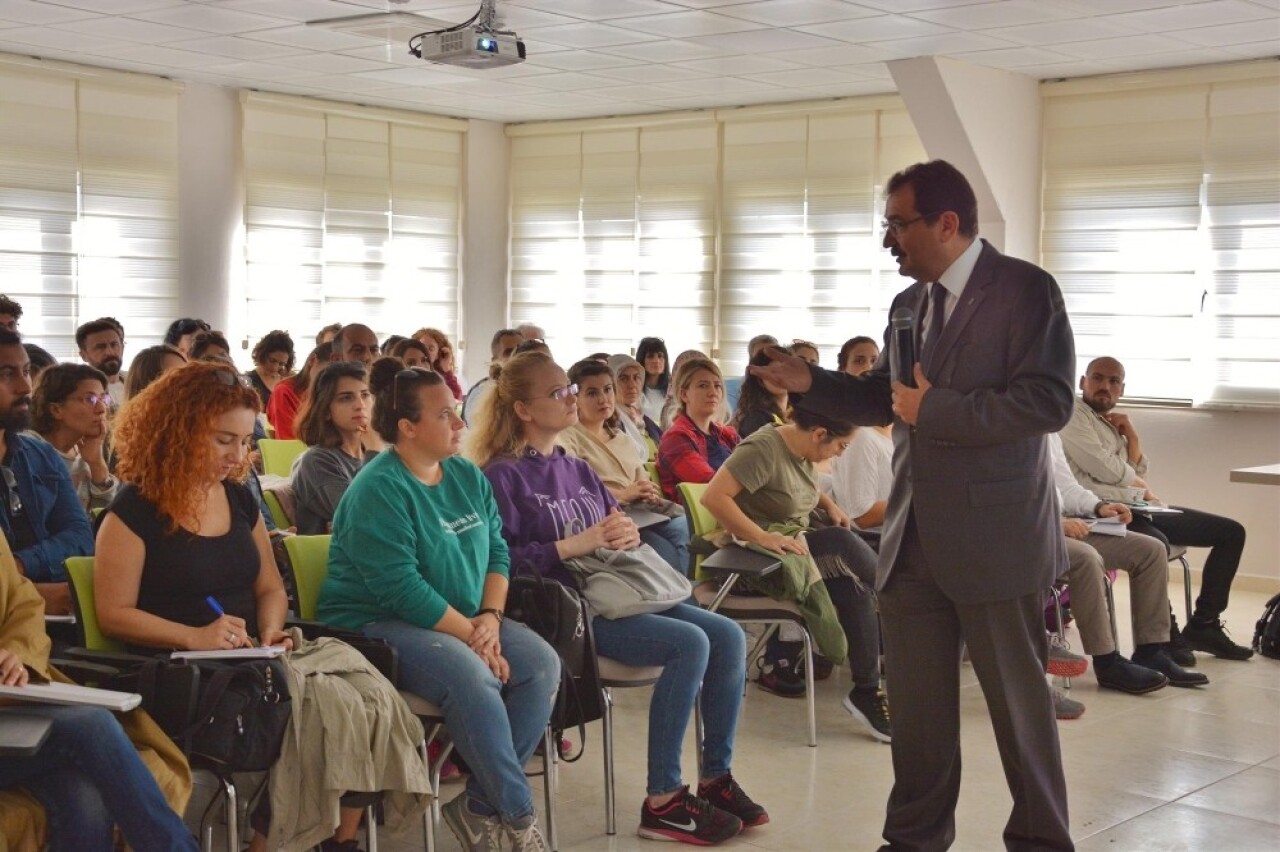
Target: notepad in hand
[265, 652]
[67, 693]
[1107, 526]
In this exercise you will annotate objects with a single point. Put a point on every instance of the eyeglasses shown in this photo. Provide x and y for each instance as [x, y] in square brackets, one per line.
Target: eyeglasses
[898, 227]
[408, 374]
[559, 394]
[94, 399]
[11, 484]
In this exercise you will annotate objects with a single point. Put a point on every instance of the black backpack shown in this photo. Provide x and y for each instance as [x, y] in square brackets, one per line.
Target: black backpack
[559, 615]
[1266, 636]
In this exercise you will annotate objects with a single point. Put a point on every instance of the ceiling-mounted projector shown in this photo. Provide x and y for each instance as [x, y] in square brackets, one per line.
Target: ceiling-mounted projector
[470, 47]
[476, 43]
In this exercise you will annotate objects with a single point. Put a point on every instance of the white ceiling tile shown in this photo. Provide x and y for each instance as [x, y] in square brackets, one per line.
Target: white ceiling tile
[298, 11]
[650, 73]
[1118, 48]
[1006, 13]
[1186, 17]
[1234, 34]
[1061, 31]
[940, 45]
[596, 10]
[129, 29]
[423, 75]
[806, 78]
[332, 63]
[587, 35]
[870, 70]
[795, 13]
[312, 38]
[844, 54]
[212, 19]
[22, 39]
[1012, 57]
[1180, 59]
[878, 28]
[730, 65]
[686, 24]
[636, 92]
[236, 48]
[116, 7]
[258, 71]
[166, 57]
[1071, 69]
[1108, 7]
[724, 86]
[29, 12]
[903, 7]
[393, 54]
[350, 84]
[765, 41]
[581, 60]
[665, 50]
[568, 82]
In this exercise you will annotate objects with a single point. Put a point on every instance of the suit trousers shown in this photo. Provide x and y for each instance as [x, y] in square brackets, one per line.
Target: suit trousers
[1192, 528]
[1143, 558]
[923, 631]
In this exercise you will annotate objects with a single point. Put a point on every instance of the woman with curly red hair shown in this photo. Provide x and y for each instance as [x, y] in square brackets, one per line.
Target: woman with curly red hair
[183, 557]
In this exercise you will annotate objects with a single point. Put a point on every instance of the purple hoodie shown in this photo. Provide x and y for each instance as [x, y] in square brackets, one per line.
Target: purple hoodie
[543, 499]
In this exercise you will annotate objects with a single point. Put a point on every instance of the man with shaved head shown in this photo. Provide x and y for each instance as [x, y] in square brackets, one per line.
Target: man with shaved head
[1105, 453]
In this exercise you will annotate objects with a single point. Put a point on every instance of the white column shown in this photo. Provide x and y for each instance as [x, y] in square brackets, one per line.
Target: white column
[484, 246]
[986, 123]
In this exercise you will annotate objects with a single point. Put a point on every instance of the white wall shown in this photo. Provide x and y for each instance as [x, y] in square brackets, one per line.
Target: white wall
[1191, 454]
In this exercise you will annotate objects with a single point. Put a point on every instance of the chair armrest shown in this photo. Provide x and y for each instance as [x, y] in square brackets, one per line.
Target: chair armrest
[115, 659]
[87, 674]
[736, 559]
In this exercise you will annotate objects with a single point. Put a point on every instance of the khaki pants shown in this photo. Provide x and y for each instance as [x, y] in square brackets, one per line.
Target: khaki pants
[1144, 558]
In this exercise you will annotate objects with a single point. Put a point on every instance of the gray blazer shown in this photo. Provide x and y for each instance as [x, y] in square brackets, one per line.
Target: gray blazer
[976, 467]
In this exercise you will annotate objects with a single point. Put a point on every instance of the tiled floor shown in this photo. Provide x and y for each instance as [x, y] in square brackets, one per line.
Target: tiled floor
[1174, 770]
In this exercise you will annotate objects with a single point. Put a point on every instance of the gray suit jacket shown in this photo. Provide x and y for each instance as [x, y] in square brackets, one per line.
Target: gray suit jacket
[976, 468]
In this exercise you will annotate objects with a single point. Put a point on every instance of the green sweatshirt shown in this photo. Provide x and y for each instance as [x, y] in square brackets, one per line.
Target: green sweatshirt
[405, 551]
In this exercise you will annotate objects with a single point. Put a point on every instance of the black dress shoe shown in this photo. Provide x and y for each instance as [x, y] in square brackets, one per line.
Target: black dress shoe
[1212, 638]
[1127, 677]
[1160, 661]
[1179, 651]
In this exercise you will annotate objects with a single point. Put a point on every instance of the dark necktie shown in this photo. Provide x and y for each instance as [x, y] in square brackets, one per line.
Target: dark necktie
[937, 312]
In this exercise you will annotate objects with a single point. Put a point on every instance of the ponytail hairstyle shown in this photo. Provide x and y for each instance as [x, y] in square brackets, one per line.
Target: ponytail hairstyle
[498, 431]
[842, 359]
[395, 394]
[754, 395]
[807, 419]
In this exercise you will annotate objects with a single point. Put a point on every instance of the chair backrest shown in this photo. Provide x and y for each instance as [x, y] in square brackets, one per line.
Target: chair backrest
[651, 468]
[652, 446]
[277, 511]
[309, 556]
[700, 518]
[80, 573]
[278, 455]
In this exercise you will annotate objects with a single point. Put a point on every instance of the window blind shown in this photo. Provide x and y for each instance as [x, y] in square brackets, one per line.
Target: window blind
[802, 199]
[352, 215]
[613, 234]
[88, 200]
[706, 230]
[1161, 221]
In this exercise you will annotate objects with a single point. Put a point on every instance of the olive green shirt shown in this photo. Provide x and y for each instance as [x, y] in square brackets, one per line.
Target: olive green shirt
[777, 486]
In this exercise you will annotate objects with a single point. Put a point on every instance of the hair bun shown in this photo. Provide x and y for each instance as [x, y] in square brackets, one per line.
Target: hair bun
[383, 373]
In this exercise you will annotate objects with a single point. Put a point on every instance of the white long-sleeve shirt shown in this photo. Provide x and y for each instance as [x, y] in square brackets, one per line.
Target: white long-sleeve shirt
[862, 476]
[1074, 498]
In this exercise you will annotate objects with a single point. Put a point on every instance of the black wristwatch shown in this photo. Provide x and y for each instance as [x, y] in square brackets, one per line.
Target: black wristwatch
[496, 613]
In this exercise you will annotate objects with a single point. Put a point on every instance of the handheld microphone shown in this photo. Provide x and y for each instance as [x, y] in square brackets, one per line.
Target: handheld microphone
[902, 352]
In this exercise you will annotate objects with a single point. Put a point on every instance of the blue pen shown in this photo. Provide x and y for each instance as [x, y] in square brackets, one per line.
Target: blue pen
[215, 606]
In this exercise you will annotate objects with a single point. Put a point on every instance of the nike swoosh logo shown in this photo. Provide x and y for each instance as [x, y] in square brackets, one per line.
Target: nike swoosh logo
[689, 826]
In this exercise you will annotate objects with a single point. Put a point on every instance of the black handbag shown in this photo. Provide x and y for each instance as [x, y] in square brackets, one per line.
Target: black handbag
[560, 616]
[229, 717]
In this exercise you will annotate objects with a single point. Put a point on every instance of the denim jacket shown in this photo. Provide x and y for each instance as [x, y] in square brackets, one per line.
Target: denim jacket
[59, 520]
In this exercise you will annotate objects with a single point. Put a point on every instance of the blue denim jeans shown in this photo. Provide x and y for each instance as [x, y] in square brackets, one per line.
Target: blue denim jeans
[89, 778]
[671, 540]
[696, 649]
[495, 726]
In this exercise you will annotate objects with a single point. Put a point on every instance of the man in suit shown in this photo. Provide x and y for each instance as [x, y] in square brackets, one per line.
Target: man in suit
[972, 537]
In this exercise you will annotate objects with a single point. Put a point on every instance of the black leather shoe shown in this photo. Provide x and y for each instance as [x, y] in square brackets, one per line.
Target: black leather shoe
[1212, 638]
[1179, 651]
[1160, 661]
[1127, 677]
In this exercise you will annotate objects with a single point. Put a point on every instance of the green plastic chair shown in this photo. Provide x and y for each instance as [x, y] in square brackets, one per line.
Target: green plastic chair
[651, 468]
[80, 573]
[278, 455]
[277, 511]
[309, 556]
